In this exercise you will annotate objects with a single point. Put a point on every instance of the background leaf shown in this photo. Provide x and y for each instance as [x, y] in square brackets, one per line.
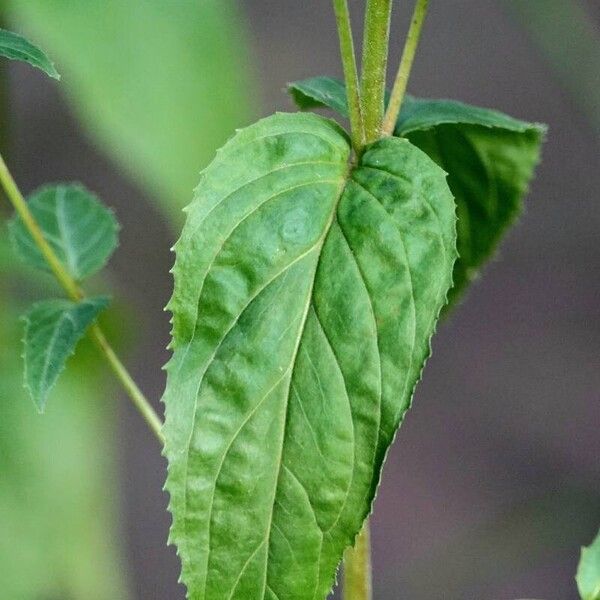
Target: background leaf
[489, 157]
[283, 399]
[80, 229]
[588, 572]
[320, 92]
[159, 85]
[52, 330]
[57, 491]
[16, 47]
[158, 88]
[568, 36]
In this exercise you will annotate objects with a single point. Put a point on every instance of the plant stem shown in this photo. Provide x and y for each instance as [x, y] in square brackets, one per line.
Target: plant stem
[374, 62]
[406, 62]
[130, 386]
[357, 560]
[357, 568]
[344, 28]
[76, 293]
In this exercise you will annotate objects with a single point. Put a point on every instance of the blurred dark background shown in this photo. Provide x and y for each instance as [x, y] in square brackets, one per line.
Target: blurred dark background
[493, 483]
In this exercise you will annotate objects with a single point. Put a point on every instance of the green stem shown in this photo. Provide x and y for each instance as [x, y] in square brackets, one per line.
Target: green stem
[17, 200]
[130, 386]
[344, 28]
[357, 568]
[76, 293]
[374, 63]
[406, 62]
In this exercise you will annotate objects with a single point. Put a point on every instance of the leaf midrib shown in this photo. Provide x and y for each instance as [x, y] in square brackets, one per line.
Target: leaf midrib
[316, 247]
[233, 324]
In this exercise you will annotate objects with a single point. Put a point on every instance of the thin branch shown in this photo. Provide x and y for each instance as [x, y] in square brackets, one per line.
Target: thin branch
[76, 293]
[406, 62]
[374, 63]
[344, 28]
[133, 391]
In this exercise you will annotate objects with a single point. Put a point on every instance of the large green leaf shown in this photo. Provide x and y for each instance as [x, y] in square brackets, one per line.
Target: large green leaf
[80, 229]
[489, 157]
[52, 330]
[16, 47]
[306, 293]
[588, 572]
[158, 84]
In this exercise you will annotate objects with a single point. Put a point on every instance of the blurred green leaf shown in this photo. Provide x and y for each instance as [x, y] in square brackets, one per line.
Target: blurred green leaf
[80, 229]
[158, 84]
[16, 47]
[569, 38]
[57, 490]
[588, 572]
[52, 330]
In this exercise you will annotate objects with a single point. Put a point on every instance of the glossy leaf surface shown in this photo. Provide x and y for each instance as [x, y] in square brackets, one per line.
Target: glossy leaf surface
[80, 229]
[489, 157]
[52, 330]
[158, 85]
[306, 293]
[16, 47]
[588, 572]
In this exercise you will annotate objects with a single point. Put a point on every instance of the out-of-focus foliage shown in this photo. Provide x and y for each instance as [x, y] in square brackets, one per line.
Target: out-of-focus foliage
[16, 47]
[158, 84]
[568, 37]
[57, 490]
[588, 573]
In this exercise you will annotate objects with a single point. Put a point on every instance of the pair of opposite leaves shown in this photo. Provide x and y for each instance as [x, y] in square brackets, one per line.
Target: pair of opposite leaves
[306, 293]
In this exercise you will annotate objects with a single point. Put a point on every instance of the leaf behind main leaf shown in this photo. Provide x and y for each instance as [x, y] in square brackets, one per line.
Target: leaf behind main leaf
[489, 156]
[320, 92]
[305, 297]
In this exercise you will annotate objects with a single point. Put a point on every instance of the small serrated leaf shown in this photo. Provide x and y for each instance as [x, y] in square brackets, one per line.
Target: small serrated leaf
[52, 330]
[79, 228]
[16, 47]
[489, 157]
[588, 572]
